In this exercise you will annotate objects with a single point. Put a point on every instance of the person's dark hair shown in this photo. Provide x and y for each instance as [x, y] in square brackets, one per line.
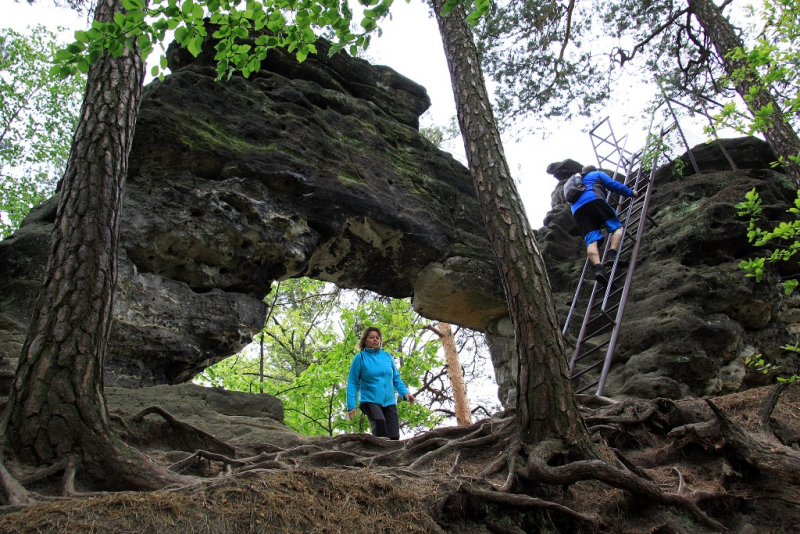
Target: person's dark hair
[363, 339]
[587, 169]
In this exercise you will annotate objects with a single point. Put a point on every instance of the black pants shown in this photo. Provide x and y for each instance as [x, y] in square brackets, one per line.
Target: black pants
[382, 419]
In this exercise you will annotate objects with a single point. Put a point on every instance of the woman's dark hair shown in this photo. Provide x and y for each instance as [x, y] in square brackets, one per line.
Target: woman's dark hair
[363, 339]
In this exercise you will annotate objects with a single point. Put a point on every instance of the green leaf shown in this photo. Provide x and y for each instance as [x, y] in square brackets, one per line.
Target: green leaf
[449, 6]
[194, 46]
[187, 8]
[76, 48]
[181, 35]
[144, 43]
[63, 55]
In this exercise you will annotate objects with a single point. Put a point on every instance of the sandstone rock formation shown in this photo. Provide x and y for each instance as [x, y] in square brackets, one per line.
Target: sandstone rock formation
[318, 169]
[692, 317]
[315, 169]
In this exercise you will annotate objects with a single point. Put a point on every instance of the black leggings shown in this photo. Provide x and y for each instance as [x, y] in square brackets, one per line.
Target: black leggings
[382, 419]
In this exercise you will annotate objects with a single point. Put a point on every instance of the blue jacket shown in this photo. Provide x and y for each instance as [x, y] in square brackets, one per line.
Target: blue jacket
[375, 375]
[605, 181]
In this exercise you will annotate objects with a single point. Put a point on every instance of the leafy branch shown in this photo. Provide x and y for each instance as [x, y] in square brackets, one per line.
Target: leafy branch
[784, 239]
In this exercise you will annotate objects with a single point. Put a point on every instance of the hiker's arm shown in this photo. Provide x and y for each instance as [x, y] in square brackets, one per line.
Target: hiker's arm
[615, 186]
[352, 385]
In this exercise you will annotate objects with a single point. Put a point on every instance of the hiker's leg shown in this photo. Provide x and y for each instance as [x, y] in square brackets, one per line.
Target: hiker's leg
[392, 421]
[376, 418]
[593, 240]
[615, 238]
[593, 251]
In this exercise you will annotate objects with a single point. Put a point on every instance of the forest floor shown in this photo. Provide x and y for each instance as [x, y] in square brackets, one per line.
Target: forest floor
[430, 484]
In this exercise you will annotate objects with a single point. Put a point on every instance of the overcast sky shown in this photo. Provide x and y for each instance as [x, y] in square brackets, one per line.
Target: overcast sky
[411, 45]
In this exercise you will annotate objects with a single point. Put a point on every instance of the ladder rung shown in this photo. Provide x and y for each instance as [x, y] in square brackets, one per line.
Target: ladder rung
[596, 333]
[593, 384]
[587, 369]
[591, 351]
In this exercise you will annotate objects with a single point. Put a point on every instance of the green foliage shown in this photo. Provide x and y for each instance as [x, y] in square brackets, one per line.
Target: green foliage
[543, 57]
[773, 56]
[438, 135]
[244, 30]
[304, 353]
[657, 146]
[762, 366]
[37, 117]
[784, 240]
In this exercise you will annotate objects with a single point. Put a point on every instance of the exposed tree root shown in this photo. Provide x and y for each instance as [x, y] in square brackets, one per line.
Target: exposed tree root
[768, 406]
[635, 418]
[525, 501]
[537, 469]
[201, 454]
[68, 480]
[487, 462]
[13, 492]
[42, 473]
[191, 433]
[763, 452]
[632, 466]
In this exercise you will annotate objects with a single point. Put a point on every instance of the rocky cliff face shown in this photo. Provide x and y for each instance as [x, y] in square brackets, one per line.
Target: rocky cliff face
[318, 169]
[315, 169]
[692, 317]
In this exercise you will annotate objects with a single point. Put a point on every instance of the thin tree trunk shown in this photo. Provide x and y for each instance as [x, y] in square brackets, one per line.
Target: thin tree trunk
[546, 406]
[778, 132]
[455, 374]
[57, 406]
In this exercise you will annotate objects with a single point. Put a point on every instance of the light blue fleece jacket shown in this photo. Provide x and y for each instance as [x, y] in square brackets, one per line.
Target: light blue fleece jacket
[375, 375]
[605, 181]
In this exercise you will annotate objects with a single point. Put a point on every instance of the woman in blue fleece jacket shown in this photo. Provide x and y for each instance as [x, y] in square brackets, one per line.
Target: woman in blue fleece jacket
[374, 375]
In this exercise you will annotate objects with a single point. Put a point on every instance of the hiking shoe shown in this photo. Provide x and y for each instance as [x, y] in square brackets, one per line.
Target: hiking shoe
[601, 276]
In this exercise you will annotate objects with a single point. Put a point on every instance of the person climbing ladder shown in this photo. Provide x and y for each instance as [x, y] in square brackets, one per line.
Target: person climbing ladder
[592, 213]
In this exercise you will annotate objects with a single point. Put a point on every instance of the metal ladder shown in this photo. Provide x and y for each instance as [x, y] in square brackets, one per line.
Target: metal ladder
[605, 306]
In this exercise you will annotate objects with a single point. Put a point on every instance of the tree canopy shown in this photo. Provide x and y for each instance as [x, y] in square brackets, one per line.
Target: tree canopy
[556, 59]
[37, 117]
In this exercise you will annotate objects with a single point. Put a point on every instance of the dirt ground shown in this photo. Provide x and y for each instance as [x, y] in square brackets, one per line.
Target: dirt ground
[371, 486]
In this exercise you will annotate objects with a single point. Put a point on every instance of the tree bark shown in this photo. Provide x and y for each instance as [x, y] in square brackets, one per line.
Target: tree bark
[455, 374]
[546, 406]
[57, 405]
[778, 132]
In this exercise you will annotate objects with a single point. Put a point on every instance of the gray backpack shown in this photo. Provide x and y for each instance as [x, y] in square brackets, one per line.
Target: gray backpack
[574, 188]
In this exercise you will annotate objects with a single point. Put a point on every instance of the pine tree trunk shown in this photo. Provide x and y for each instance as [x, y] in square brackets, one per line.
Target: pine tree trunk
[456, 375]
[778, 132]
[57, 406]
[546, 406]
